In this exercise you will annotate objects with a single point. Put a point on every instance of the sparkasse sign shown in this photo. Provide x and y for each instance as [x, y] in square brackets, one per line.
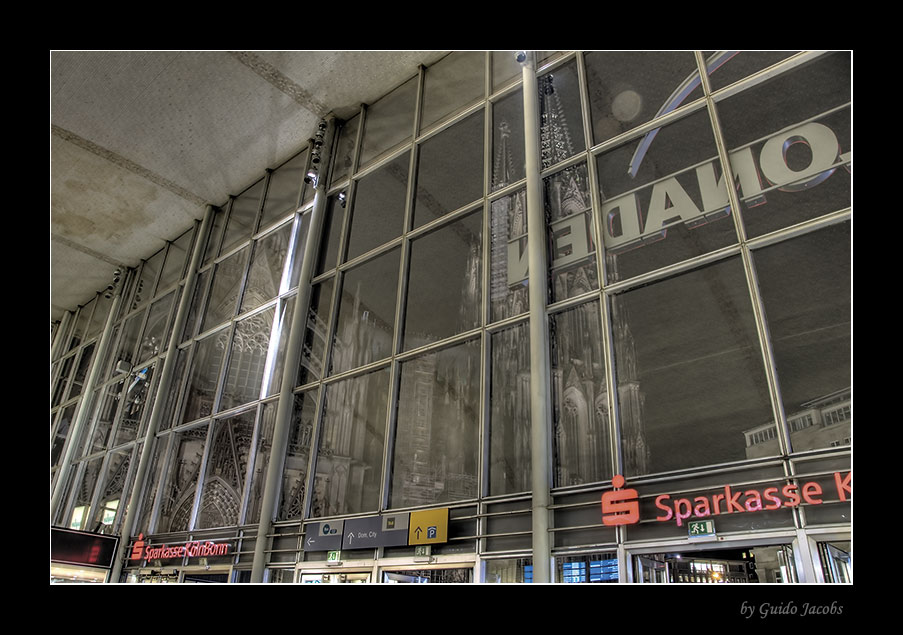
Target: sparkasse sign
[193, 549]
[622, 507]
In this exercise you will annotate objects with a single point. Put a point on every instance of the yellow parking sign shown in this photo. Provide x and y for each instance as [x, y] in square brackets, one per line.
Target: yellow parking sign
[428, 527]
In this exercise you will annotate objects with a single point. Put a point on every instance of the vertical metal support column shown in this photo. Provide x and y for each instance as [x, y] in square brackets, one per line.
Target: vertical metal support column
[84, 409]
[133, 509]
[285, 404]
[540, 386]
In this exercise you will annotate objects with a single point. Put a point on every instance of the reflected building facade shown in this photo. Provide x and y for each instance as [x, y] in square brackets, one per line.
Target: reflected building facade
[697, 337]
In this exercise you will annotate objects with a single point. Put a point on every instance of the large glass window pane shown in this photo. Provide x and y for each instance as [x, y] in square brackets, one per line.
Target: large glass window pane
[508, 282]
[176, 259]
[225, 477]
[505, 68]
[437, 432]
[295, 471]
[806, 288]
[581, 422]
[561, 122]
[146, 285]
[61, 432]
[313, 352]
[390, 121]
[509, 426]
[110, 496]
[508, 150]
[248, 358]
[154, 339]
[452, 83]
[629, 88]
[572, 250]
[366, 320]
[136, 398]
[450, 170]
[333, 224]
[790, 144]
[242, 220]
[284, 189]
[181, 480]
[105, 417]
[272, 372]
[78, 334]
[227, 281]
[726, 67]
[125, 355]
[343, 160]
[83, 493]
[204, 375]
[81, 371]
[267, 276]
[664, 198]
[379, 207]
[679, 343]
[444, 290]
[350, 450]
[62, 382]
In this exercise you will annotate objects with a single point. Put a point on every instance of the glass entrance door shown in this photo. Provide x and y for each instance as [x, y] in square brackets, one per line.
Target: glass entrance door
[457, 575]
[651, 571]
[836, 562]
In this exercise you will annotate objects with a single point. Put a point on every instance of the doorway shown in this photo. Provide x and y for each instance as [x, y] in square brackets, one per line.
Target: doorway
[772, 564]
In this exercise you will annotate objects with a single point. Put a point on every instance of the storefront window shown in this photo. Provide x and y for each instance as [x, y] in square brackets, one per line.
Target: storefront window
[509, 425]
[581, 424]
[366, 318]
[594, 568]
[806, 289]
[790, 144]
[226, 473]
[629, 88]
[450, 170]
[436, 450]
[379, 207]
[664, 198]
[508, 571]
[350, 451]
[444, 283]
[679, 343]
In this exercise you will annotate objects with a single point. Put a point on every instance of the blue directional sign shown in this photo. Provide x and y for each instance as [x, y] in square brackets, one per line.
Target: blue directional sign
[323, 536]
[375, 531]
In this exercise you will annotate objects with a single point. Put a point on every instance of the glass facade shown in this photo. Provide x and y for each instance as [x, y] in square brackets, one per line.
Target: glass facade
[698, 250]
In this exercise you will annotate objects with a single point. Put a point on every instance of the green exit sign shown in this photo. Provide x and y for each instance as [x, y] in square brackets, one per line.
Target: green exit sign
[699, 528]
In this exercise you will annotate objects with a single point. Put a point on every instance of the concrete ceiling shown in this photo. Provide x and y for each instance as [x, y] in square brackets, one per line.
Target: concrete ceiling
[142, 141]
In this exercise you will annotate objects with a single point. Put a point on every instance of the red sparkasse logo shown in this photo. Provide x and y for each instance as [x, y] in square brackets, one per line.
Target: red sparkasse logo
[621, 506]
[195, 548]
